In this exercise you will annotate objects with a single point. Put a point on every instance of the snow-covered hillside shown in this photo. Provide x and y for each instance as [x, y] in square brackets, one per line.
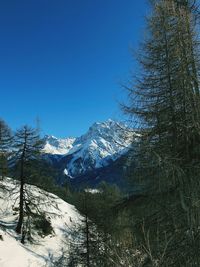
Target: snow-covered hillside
[63, 218]
[103, 143]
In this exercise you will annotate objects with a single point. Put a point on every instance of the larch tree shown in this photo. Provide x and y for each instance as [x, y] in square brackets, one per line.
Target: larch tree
[165, 100]
[28, 146]
[5, 147]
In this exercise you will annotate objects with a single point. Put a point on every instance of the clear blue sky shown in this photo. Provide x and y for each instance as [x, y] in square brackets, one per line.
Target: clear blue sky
[63, 60]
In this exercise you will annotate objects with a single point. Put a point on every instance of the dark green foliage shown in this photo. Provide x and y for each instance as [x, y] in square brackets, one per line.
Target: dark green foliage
[41, 174]
[42, 225]
[84, 247]
[98, 229]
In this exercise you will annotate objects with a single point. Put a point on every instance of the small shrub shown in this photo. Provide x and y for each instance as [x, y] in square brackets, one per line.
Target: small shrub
[43, 225]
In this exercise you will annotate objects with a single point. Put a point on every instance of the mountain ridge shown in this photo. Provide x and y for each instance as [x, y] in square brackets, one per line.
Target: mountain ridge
[103, 143]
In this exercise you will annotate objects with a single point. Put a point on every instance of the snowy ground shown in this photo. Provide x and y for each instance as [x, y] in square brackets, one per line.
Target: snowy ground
[62, 215]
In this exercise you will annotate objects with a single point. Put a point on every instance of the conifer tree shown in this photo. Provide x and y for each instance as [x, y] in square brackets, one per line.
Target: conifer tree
[5, 147]
[86, 246]
[28, 146]
[165, 100]
[166, 96]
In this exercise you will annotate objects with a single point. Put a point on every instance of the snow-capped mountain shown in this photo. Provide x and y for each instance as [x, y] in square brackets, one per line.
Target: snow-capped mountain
[58, 146]
[102, 144]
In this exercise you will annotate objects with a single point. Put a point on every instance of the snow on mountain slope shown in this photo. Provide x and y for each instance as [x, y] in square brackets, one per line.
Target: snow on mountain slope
[104, 142]
[57, 146]
[62, 216]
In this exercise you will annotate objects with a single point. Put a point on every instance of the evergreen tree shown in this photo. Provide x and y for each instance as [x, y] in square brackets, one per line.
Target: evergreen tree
[165, 101]
[98, 231]
[87, 243]
[5, 147]
[166, 97]
[28, 146]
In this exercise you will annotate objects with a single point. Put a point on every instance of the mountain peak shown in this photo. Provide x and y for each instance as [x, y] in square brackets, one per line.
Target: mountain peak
[106, 127]
[58, 146]
[103, 143]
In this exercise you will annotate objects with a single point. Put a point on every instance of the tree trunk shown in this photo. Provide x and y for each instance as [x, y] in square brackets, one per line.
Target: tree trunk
[21, 197]
[21, 207]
